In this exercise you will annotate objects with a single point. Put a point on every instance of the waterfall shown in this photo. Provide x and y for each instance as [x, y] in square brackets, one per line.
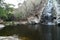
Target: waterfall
[57, 8]
[56, 4]
[48, 8]
[47, 13]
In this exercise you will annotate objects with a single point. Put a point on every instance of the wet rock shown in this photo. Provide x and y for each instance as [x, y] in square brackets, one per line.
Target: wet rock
[8, 38]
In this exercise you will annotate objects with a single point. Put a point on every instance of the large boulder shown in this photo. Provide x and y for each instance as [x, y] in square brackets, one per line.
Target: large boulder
[33, 20]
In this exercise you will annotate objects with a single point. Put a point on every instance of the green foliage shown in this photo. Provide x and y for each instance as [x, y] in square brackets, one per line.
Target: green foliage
[10, 17]
[4, 10]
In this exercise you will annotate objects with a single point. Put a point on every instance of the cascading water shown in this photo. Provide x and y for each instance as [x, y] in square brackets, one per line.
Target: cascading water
[47, 15]
[57, 10]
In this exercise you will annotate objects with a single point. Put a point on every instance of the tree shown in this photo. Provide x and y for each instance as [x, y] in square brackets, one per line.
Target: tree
[30, 8]
[5, 9]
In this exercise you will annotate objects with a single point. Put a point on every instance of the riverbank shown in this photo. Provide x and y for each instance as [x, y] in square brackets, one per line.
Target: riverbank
[11, 23]
[15, 23]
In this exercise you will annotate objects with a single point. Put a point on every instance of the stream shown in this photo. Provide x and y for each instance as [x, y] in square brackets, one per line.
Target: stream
[32, 32]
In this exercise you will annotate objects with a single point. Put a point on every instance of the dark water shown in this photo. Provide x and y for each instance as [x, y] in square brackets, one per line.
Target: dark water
[34, 32]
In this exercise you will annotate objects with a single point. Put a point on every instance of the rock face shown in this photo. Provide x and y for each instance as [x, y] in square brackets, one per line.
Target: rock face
[39, 9]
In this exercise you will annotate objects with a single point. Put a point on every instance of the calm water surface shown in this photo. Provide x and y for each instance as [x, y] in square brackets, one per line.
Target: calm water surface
[34, 32]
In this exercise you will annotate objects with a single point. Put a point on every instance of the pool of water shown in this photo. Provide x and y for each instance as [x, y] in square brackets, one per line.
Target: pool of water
[32, 32]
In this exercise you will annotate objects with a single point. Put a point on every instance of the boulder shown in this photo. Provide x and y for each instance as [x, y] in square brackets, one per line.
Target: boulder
[33, 20]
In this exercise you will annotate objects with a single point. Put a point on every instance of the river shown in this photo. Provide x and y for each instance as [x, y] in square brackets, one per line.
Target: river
[34, 32]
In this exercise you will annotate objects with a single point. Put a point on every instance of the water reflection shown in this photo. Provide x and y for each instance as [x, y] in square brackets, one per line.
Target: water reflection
[34, 32]
[58, 33]
[49, 33]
